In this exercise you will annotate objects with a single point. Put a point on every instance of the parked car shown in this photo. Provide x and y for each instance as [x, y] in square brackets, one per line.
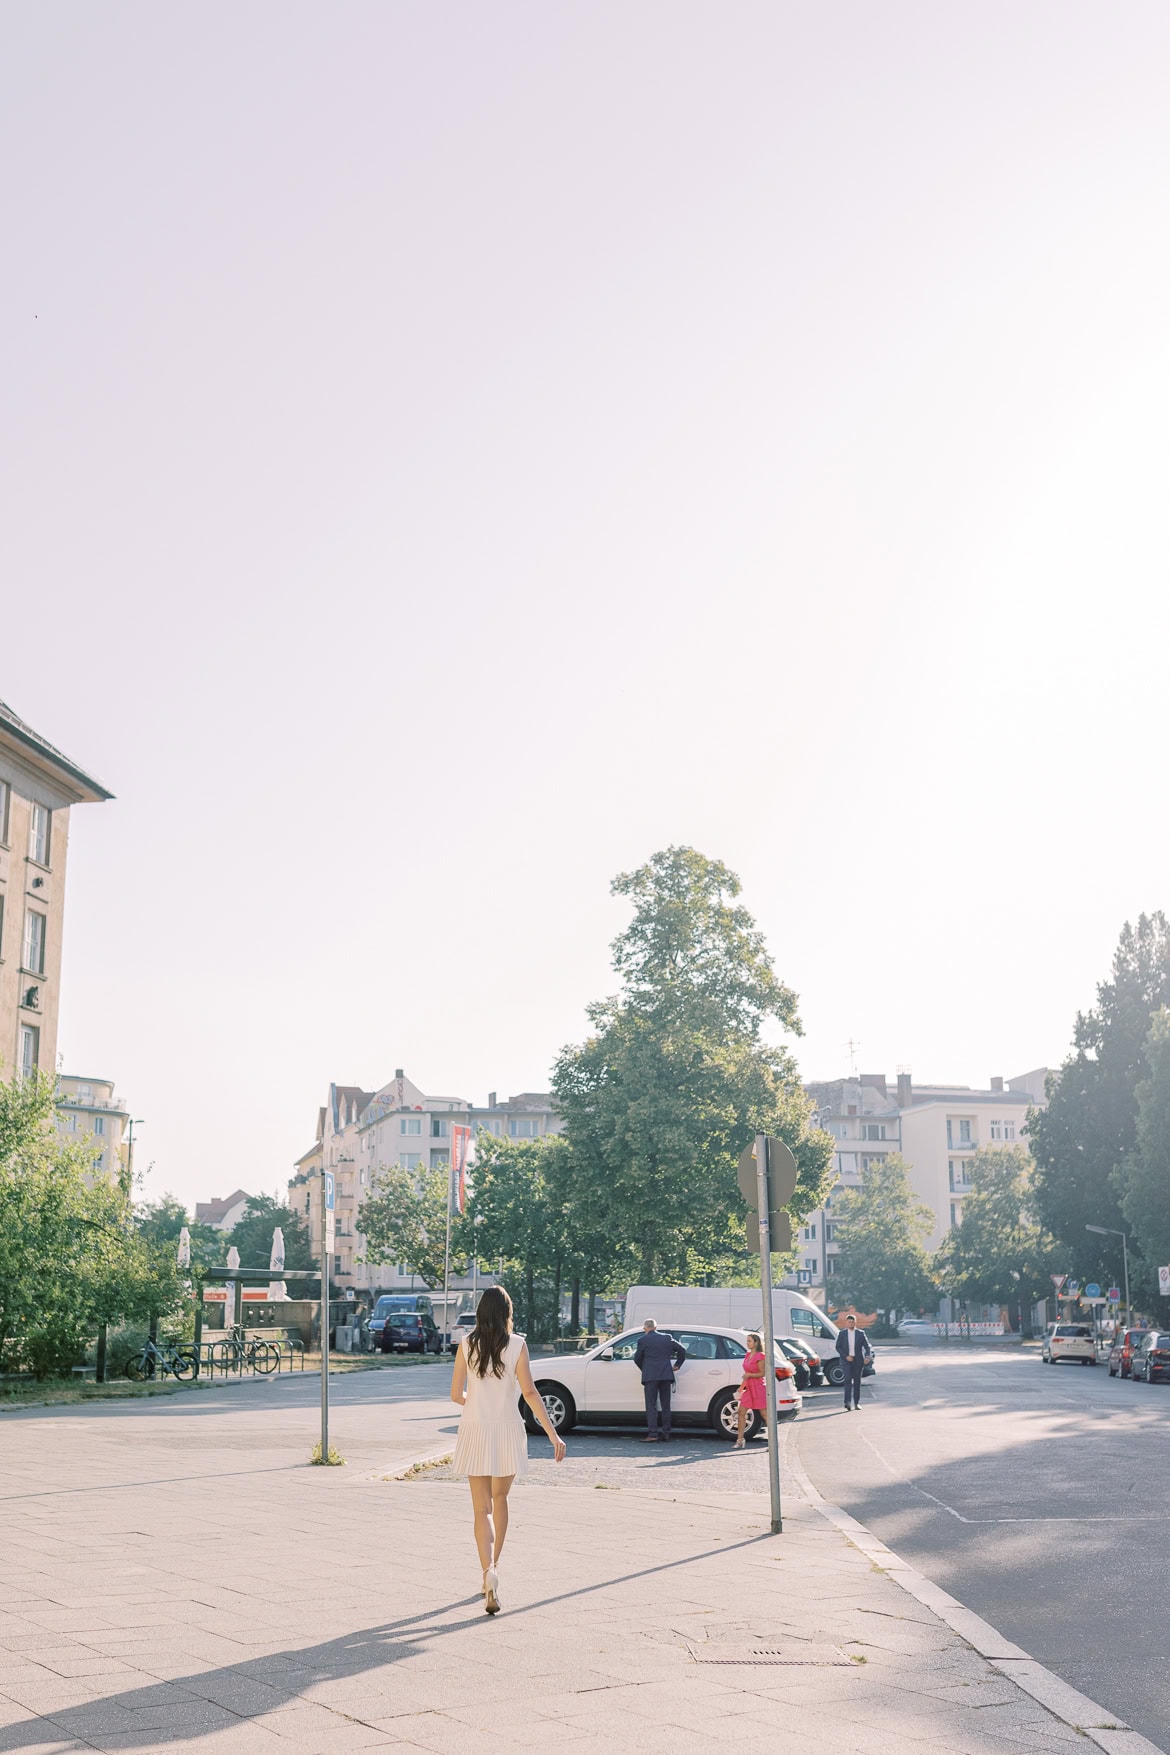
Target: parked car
[1152, 1359]
[604, 1387]
[809, 1366]
[1125, 1344]
[1069, 1340]
[917, 1328]
[403, 1322]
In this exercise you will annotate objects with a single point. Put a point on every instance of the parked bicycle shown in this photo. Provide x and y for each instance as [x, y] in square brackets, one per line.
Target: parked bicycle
[240, 1350]
[163, 1360]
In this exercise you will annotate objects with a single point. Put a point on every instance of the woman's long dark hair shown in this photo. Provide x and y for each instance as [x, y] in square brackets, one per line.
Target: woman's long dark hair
[489, 1338]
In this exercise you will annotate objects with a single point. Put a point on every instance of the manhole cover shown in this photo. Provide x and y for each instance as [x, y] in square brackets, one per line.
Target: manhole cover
[820, 1655]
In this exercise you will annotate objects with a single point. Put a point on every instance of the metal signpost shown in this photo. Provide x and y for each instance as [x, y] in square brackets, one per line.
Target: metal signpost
[328, 1199]
[767, 1178]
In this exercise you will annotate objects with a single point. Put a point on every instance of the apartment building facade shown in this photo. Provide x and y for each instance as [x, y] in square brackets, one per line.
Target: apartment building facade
[38, 787]
[360, 1133]
[936, 1128]
[88, 1109]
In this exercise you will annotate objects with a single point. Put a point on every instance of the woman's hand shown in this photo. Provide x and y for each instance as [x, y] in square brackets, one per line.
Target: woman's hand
[558, 1445]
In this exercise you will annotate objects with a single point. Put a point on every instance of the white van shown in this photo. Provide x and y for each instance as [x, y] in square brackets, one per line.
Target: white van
[738, 1307]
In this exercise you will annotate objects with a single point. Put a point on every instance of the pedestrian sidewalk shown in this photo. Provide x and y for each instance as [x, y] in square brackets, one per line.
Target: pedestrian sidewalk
[305, 1611]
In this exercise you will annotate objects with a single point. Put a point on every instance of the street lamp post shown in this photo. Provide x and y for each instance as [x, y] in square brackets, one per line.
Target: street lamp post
[137, 1122]
[1109, 1231]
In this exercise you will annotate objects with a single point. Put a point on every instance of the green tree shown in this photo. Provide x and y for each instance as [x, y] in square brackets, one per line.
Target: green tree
[675, 1078]
[252, 1234]
[1143, 1176]
[881, 1227]
[159, 1222]
[1088, 1128]
[1000, 1253]
[404, 1219]
[70, 1257]
[523, 1210]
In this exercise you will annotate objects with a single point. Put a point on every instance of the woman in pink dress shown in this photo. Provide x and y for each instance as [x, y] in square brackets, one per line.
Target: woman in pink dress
[751, 1390]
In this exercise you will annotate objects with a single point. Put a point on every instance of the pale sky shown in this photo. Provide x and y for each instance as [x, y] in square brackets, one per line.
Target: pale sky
[451, 452]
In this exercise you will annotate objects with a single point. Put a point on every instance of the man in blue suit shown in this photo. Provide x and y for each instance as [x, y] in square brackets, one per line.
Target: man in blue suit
[853, 1349]
[656, 1356]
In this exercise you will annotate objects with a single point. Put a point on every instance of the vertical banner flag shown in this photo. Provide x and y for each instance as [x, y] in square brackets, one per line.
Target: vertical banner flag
[460, 1142]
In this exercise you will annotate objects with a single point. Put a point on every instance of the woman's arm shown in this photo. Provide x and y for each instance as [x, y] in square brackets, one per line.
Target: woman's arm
[532, 1396]
[759, 1372]
[459, 1379]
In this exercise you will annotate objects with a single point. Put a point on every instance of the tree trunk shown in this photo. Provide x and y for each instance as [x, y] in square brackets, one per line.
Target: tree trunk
[575, 1307]
[593, 1313]
[556, 1309]
[529, 1313]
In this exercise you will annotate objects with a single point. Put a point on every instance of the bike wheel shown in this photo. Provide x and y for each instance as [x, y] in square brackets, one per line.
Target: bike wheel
[140, 1367]
[265, 1358]
[182, 1363]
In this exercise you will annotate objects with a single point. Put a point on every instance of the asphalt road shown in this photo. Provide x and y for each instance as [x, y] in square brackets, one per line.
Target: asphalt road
[1035, 1494]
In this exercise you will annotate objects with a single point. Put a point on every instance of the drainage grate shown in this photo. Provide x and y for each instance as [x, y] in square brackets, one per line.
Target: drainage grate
[819, 1655]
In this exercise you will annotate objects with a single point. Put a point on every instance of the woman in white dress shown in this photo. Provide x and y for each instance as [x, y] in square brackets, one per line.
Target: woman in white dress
[491, 1373]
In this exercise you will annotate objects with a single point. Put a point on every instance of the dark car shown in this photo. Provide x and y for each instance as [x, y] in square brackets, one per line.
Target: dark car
[1124, 1347]
[1152, 1359]
[406, 1331]
[807, 1364]
[387, 1312]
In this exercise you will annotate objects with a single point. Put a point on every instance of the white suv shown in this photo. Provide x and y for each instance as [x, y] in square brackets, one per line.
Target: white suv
[604, 1387]
[1069, 1340]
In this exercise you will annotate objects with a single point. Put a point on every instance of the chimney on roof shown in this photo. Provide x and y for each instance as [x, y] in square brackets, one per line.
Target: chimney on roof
[876, 1081]
[904, 1091]
[491, 1099]
[398, 1073]
[997, 1084]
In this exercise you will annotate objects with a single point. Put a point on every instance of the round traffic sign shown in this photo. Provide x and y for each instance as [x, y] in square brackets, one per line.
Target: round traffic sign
[1092, 1290]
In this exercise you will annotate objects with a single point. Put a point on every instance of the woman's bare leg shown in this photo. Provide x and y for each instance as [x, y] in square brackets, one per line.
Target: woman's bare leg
[481, 1507]
[741, 1419]
[501, 1484]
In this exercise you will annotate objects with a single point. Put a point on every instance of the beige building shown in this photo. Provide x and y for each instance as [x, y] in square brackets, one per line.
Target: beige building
[37, 787]
[88, 1109]
[937, 1129]
[362, 1132]
[222, 1212]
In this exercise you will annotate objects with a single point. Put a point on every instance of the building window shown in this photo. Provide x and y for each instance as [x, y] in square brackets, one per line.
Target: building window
[810, 1263]
[101, 1160]
[5, 795]
[964, 1133]
[831, 1264]
[873, 1130]
[410, 1124]
[522, 1128]
[438, 1127]
[810, 1233]
[410, 1160]
[30, 1050]
[99, 1124]
[38, 834]
[34, 942]
[830, 1230]
[872, 1159]
[439, 1158]
[997, 1130]
[956, 1213]
[1009, 1130]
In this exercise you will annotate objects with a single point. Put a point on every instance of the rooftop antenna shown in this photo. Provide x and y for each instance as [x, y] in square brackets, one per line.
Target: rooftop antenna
[852, 1046]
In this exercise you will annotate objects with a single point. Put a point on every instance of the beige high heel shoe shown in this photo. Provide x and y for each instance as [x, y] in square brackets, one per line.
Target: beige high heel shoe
[491, 1591]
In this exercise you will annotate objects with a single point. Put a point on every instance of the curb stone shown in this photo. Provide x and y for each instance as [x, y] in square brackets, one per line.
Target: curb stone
[1060, 1699]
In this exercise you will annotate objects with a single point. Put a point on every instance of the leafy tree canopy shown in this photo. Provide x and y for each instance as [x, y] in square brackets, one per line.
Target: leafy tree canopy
[1000, 1253]
[674, 1080]
[70, 1258]
[1088, 1128]
[159, 1223]
[252, 1234]
[1143, 1177]
[881, 1228]
[404, 1219]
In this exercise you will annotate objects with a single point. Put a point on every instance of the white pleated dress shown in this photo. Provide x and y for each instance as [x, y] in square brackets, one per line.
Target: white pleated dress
[492, 1439]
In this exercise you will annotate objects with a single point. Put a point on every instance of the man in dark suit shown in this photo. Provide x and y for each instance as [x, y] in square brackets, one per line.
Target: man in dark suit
[656, 1356]
[854, 1349]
